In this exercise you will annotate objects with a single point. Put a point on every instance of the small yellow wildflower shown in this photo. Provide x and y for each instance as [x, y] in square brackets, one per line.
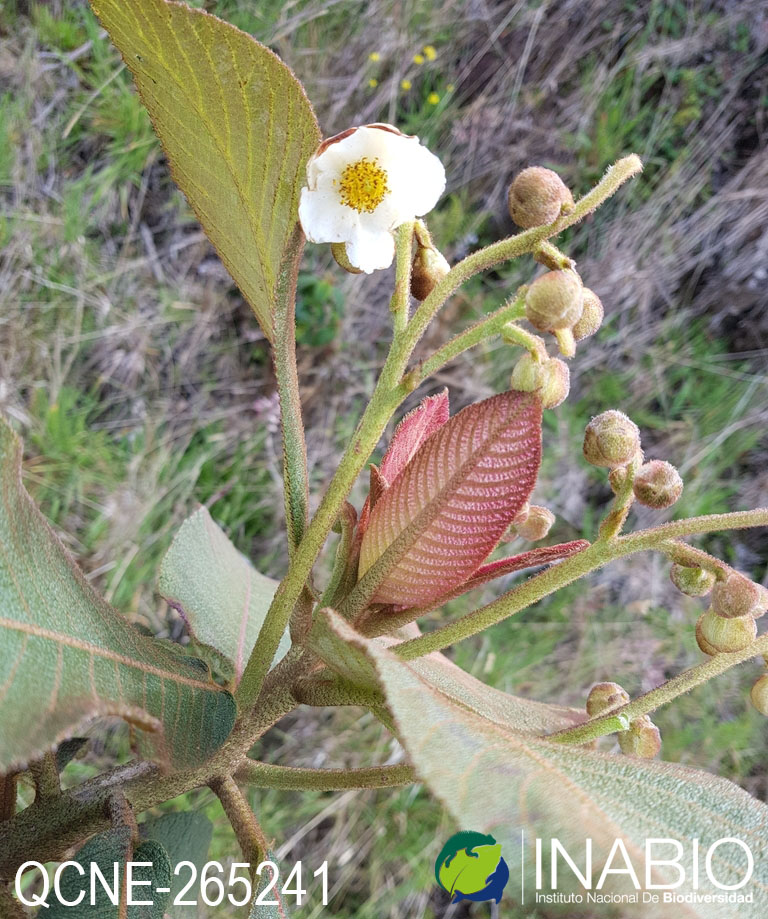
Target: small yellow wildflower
[433, 98]
[429, 52]
[406, 85]
[418, 58]
[374, 56]
[373, 82]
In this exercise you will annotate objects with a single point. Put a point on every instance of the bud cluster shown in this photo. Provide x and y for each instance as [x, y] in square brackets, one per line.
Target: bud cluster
[549, 377]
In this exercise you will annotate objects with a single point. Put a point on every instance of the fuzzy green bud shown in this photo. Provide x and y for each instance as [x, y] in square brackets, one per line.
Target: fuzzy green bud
[643, 739]
[339, 252]
[554, 301]
[537, 524]
[556, 383]
[759, 694]
[657, 484]
[429, 267]
[737, 596]
[716, 635]
[537, 196]
[591, 316]
[693, 582]
[611, 439]
[527, 374]
[605, 696]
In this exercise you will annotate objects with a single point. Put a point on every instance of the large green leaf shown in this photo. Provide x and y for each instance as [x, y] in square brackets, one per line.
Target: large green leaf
[235, 124]
[499, 781]
[67, 657]
[274, 904]
[218, 591]
[336, 643]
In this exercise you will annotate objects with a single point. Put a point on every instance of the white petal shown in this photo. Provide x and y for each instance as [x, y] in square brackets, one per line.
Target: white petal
[370, 249]
[418, 179]
[324, 219]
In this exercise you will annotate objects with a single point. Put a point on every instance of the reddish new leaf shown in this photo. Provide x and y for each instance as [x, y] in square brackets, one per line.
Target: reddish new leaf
[446, 511]
[431, 414]
[544, 555]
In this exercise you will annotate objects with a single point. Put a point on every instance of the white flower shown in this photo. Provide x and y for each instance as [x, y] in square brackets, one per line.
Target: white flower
[364, 183]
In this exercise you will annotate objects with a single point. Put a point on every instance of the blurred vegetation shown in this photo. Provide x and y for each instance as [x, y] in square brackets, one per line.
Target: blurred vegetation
[142, 385]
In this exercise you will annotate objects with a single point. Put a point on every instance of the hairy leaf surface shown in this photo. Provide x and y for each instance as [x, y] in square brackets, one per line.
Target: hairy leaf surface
[217, 590]
[235, 124]
[346, 653]
[66, 656]
[499, 781]
[449, 507]
[185, 836]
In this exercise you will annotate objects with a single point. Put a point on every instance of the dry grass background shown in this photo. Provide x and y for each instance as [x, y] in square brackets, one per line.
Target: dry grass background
[142, 384]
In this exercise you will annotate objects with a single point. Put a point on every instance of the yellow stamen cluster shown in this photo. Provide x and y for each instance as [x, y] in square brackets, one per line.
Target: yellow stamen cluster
[363, 185]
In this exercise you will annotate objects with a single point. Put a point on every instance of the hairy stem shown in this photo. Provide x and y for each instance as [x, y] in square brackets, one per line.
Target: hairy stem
[250, 836]
[400, 301]
[569, 570]
[286, 373]
[620, 719]
[45, 775]
[264, 775]
[481, 331]
[612, 523]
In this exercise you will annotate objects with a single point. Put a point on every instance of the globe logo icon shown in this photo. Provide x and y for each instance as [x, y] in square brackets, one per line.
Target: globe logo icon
[470, 867]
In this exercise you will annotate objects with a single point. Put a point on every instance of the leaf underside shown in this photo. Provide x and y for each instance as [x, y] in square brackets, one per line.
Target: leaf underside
[217, 590]
[501, 781]
[451, 504]
[235, 125]
[67, 657]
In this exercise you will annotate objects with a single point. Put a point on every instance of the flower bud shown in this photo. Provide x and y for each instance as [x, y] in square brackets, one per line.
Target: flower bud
[554, 301]
[605, 696]
[759, 694]
[536, 197]
[736, 596]
[527, 374]
[715, 634]
[693, 582]
[611, 439]
[643, 739]
[617, 478]
[428, 269]
[556, 383]
[339, 252]
[657, 484]
[537, 523]
[591, 316]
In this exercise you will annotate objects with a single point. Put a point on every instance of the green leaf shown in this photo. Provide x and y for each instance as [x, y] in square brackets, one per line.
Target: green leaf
[495, 780]
[236, 127]
[275, 906]
[107, 850]
[67, 657]
[185, 836]
[347, 654]
[468, 873]
[217, 590]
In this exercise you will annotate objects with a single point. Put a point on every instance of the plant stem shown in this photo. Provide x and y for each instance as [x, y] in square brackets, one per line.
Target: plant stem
[683, 554]
[620, 718]
[264, 775]
[295, 478]
[45, 775]
[569, 570]
[481, 331]
[250, 836]
[389, 392]
[614, 520]
[399, 303]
